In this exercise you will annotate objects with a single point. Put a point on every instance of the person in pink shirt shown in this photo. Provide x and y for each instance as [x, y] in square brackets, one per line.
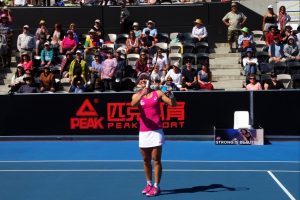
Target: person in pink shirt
[151, 136]
[253, 85]
[26, 63]
[108, 70]
[68, 43]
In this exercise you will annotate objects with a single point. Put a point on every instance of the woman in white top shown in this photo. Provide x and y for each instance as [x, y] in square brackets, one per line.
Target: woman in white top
[199, 31]
[17, 79]
[175, 74]
[132, 43]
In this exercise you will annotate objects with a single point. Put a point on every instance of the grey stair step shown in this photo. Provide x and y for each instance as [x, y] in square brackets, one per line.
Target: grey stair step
[223, 45]
[222, 55]
[222, 72]
[225, 66]
[224, 60]
[4, 89]
[228, 84]
[227, 77]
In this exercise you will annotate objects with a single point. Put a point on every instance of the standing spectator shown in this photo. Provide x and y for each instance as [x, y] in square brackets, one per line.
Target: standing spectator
[136, 29]
[98, 29]
[273, 32]
[121, 66]
[68, 43]
[276, 51]
[199, 31]
[26, 42]
[41, 35]
[234, 20]
[17, 79]
[47, 57]
[26, 63]
[29, 86]
[47, 80]
[6, 33]
[250, 63]
[95, 70]
[20, 2]
[132, 43]
[286, 34]
[273, 83]
[151, 28]
[65, 65]
[91, 46]
[79, 68]
[161, 61]
[175, 74]
[108, 70]
[57, 36]
[204, 78]
[291, 50]
[269, 19]
[72, 27]
[253, 85]
[189, 76]
[283, 18]
[141, 64]
[6, 11]
[147, 43]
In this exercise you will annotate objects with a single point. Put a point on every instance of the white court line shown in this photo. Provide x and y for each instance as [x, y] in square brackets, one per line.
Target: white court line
[175, 161]
[281, 186]
[138, 170]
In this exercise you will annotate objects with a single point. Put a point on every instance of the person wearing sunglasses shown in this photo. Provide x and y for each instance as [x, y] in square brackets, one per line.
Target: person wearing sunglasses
[253, 84]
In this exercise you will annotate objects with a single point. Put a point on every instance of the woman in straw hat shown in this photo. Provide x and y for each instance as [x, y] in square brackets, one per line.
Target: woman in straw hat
[199, 31]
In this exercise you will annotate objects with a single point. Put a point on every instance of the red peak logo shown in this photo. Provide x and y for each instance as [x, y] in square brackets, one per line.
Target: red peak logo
[86, 110]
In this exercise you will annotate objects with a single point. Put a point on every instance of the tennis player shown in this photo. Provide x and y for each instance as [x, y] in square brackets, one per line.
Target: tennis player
[151, 136]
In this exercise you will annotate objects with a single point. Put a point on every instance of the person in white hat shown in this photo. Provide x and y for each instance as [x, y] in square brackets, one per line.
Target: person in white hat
[151, 27]
[199, 31]
[47, 55]
[136, 29]
[175, 74]
[98, 29]
[79, 68]
[234, 20]
[269, 19]
[26, 42]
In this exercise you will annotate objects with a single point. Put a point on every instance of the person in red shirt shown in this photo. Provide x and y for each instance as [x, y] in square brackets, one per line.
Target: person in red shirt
[273, 32]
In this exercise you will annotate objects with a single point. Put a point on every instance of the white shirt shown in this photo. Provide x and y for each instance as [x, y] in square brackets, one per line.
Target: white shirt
[246, 60]
[176, 77]
[201, 31]
[161, 62]
[25, 41]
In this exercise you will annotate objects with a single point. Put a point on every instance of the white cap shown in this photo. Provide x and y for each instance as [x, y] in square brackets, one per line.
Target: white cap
[98, 21]
[135, 24]
[78, 51]
[270, 6]
[26, 26]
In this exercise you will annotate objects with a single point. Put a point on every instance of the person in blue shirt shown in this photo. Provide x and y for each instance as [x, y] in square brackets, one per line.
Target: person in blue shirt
[47, 57]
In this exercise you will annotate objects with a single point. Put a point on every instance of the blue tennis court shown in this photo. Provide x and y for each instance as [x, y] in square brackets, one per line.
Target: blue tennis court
[71, 170]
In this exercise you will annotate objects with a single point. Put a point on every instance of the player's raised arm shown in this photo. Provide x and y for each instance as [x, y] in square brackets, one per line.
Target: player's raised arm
[171, 101]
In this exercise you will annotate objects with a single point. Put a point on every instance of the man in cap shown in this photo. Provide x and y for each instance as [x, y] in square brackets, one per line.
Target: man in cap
[234, 20]
[6, 33]
[250, 63]
[91, 45]
[26, 42]
[151, 27]
[79, 67]
[47, 80]
[47, 55]
[98, 29]
[29, 86]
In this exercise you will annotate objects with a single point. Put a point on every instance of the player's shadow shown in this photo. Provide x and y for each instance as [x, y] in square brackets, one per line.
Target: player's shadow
[209, 188]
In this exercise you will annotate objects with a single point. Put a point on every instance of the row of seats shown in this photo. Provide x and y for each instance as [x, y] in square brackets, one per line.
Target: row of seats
[280, 68]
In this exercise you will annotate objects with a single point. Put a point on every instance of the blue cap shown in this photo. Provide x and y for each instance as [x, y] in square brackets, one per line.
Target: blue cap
[249, 50]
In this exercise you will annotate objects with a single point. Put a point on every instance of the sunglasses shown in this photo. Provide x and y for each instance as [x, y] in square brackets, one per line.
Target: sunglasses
[252, 78]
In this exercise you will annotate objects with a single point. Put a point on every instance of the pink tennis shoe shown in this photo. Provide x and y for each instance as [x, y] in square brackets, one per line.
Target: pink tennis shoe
[154, 191]
[146, 189]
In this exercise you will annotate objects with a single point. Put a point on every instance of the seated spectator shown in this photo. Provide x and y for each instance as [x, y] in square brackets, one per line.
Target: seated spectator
[108, 70]
[26, 62]
[41, 35]
[161, 61]
[141, 65]
[175, 74]
[29, 86]
[47, 80]
[65, 65]
[253, 85]
[79, 68]
[68, 43]
[151, 28]
[245, 40]
[189, 76]
[132, 43]
[250, 63]
[7, 12]
[276, 52]
[57, 36]
[199, 31]
[95, 70]
[269, 19]
[78, 85]
[137, 31]
[17, 79]
[273, 32]
[291, 50]
[91, 46]
[204, 78]
[273, 83]
[98, 29]
[47, 57]
[156, 74]
[148, 43]
[298, 35]
[288, 31]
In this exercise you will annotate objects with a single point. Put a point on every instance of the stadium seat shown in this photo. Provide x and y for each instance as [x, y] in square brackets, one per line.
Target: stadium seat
[190, 56]
[108, 47]
[188, 47]
[112, 37]
[202, 47]
[296, 81]
[265, 67]
[286, 79]
[163, 37]
[257, 35]
[293, 68]
[241, 120]
[280, 68]
[175, 47]
[202, 58]
[173, 35]
[262, 56]
[121, 39]
[132, 58]
[175, 57]
[187, 37]
[260, 45]
[163, 46]
[264, 78]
